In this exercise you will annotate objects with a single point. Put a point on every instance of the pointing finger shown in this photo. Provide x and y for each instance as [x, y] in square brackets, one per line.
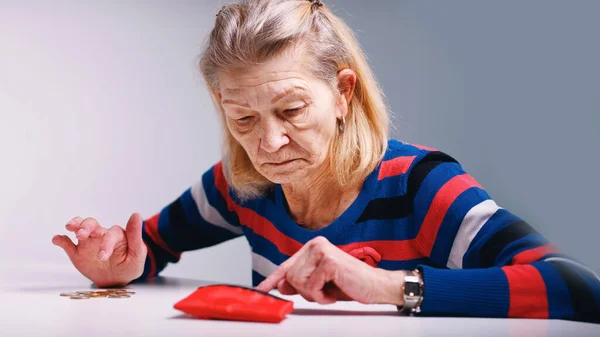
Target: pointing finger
[279, 274]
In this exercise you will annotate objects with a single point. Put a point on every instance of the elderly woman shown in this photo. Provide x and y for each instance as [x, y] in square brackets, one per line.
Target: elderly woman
[331, 208]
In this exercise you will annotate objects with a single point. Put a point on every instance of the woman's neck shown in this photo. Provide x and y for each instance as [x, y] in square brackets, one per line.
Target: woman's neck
[317, 201]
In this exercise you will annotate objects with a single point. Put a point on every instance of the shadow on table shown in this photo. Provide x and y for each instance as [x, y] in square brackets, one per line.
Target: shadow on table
[307, 312]
[329, 312]
[57, 285]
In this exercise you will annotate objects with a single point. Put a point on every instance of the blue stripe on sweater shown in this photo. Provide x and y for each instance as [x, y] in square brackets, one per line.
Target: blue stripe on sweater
[216, 200]
[452, 221]
[467, 292]
[431, 185]
[559, 299]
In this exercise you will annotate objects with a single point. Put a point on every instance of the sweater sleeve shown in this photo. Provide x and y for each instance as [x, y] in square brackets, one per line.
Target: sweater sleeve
[487, 261]
[199, 218]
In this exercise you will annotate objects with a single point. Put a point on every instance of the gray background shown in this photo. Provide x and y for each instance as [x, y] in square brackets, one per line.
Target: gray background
[103, 113]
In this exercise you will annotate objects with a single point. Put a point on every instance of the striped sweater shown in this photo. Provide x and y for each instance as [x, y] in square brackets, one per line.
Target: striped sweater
[418, 208]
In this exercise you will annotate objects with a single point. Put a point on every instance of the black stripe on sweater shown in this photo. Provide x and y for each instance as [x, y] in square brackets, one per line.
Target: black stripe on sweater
[189, 236]
[177, 217]
[422, 169]
[161, 256]
[402, 206]
[582, 299]
[387, 208]
[494, 246]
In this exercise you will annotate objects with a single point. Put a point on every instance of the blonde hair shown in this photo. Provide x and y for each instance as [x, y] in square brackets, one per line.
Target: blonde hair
[253, 31]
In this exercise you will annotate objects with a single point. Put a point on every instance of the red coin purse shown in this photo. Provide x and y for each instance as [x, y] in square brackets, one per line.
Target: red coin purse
[232, 302]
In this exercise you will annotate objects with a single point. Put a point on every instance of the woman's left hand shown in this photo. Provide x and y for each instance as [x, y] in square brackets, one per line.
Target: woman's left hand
[323, 273]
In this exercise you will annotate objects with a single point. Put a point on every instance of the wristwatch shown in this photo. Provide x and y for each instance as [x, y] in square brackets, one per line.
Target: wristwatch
[413, 292]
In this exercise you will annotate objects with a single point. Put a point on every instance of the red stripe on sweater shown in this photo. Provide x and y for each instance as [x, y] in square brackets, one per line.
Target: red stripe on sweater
[152, 231]
[527, 291]
[439, 207]
[249, 218]
[152, 271]
[421, 147]
[534, 254]
[396, 166]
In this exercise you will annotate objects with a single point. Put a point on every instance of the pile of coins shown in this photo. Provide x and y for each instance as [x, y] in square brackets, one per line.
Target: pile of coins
[109, 293]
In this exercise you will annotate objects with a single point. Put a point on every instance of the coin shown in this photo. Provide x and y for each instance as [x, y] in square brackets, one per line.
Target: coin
[104, 293]
[69, 294]
[79, 297]
[118, 296]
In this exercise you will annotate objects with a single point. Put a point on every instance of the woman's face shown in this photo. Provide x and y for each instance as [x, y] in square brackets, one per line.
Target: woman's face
[282, 115]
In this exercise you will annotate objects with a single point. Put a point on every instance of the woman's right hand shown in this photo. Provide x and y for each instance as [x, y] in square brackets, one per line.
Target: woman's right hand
[108, 257]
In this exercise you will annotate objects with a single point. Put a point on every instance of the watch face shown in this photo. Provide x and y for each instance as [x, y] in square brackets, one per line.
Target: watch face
[411, 289]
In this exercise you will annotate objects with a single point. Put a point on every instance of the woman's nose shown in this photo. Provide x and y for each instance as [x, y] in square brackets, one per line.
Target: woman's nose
[274, 136]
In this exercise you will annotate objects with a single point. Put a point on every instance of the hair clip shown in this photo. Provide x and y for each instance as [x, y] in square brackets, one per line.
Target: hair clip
[222, 8]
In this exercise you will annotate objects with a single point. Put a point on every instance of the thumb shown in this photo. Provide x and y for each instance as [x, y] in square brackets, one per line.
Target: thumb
[66, 244]
[133, 232]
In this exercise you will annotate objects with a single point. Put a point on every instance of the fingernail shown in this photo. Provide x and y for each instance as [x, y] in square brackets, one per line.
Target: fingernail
[102, 254]
[80, 232]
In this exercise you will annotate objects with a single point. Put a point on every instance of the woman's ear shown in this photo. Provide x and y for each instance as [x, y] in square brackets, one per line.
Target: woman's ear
[346, 84]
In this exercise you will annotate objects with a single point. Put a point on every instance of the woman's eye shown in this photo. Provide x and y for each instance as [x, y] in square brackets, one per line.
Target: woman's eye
[294, 111]
[244, 119]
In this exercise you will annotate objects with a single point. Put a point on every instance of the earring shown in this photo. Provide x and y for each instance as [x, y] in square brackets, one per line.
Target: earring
[342, 125]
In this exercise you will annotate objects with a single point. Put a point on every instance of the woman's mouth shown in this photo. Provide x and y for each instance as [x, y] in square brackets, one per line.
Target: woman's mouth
[282, 163]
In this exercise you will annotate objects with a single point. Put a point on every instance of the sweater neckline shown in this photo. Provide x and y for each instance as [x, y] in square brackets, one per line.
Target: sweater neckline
[339, 226]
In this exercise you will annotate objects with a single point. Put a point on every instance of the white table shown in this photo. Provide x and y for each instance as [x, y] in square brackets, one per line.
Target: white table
[31, 306]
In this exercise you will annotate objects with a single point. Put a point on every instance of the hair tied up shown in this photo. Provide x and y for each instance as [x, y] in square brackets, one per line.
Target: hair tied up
[222, 8]
[317, 3]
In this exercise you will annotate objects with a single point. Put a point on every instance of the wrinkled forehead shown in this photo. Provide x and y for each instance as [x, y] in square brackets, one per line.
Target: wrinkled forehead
[268, 91]
[280, 75]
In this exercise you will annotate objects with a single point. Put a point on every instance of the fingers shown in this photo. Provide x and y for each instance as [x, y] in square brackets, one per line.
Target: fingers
[133, 232]
[73, 224]
[89, 227]
[279, 274]
[293, 262]
[285, 288]
[66, 244]
[301, 272]
[315, 285]
[109, 240]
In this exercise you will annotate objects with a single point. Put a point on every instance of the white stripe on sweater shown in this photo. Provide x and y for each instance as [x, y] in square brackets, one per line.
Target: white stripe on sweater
[473, 221]
[209, 213]
[262, 265]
